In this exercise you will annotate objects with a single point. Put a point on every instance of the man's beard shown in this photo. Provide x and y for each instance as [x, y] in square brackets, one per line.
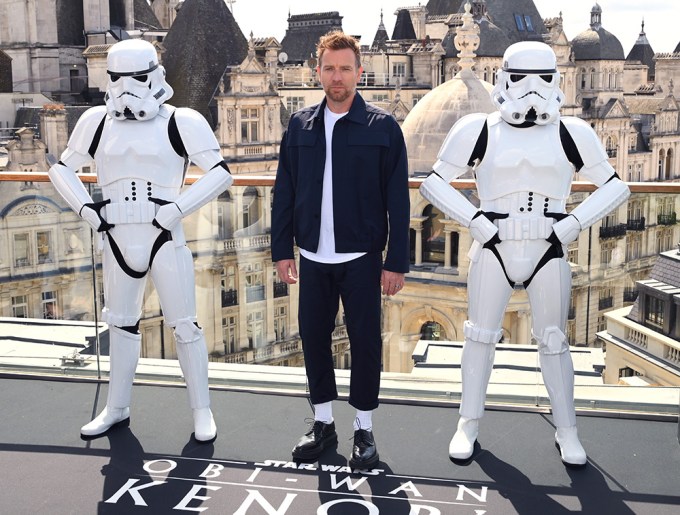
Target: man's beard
[339, 95]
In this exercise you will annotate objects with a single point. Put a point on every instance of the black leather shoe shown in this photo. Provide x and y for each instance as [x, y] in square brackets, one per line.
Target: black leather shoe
[364, 451]
[319, 437]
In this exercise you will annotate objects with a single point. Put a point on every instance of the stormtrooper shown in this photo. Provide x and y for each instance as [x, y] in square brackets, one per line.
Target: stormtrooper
[141, 148]
[523, 158]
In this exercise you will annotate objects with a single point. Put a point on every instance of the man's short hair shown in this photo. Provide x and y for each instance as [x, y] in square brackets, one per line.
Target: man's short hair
[338, 40]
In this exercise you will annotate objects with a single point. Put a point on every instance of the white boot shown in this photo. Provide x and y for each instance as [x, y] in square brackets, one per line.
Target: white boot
[205, 429]
[104, 421]
[123, 357]
[193, 359]
[463, 442]
[571, 450]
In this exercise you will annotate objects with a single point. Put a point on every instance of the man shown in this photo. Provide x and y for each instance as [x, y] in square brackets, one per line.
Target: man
[341, 189]
[141, 148]
[523, 157]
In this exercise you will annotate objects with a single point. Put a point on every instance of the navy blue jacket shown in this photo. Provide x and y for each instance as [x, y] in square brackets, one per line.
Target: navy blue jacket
[370, 184]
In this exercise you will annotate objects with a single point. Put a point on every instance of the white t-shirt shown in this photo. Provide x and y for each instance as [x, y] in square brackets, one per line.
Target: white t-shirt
[326, 251]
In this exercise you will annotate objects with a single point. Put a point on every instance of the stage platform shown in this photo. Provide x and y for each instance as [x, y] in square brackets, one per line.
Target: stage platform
[154, 466]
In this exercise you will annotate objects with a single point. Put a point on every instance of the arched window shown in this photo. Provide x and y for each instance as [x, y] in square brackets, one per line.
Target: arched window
[251, 207]
[611, 146]
[662, 159]
[583, 78]
[592, 78]
[225, 224]
[433, 236]
[669, 164]
[432, 331]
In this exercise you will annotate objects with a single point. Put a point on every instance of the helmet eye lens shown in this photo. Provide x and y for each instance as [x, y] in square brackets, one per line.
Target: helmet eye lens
[516, 77]
[140, 78]
[114, 77]
[547, 78]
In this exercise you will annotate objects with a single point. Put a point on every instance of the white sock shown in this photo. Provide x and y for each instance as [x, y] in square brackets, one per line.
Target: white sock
[364, 420]
[324, 412]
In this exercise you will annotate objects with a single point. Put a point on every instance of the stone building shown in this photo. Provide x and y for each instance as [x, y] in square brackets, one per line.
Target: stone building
[250, 88]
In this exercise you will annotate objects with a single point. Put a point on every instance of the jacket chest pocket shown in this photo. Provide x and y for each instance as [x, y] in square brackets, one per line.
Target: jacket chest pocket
[365, 152]
[303, 147]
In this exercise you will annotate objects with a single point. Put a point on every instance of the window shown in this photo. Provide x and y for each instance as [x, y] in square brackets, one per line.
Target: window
[606, 298]
[249, 125]
[519, 21]
[380, 97]
[251, 207]
[633, 246]
[611, 146]
[294, 103]
[76, 82]
[610, 220]
[229, 335]
[49, 305]
[228, 286]
[601, 323]
[432, 331]
[21, 250]
[606, 250]
[44, 246]
[572, 252]
[20, 306]
[225, 229]
[529, 24]
[571, 332]
[399, 69]
[280, 323]
[628, 372]
[255, 329]
[664, 240]
[254, 278]
[654, 310]
[416, 99]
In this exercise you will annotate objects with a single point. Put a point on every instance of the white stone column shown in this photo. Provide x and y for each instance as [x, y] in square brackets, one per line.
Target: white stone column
[419, 246]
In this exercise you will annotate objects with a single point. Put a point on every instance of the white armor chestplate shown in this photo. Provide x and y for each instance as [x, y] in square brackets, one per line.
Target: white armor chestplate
[136, 161]
[525, 184]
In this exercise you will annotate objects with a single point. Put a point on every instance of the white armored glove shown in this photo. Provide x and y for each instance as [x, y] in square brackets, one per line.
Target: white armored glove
[91, 213]
[565, 231]
[168, 216]
[482, 229]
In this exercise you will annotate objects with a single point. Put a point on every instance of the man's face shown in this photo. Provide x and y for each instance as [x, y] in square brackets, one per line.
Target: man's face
[339, 74]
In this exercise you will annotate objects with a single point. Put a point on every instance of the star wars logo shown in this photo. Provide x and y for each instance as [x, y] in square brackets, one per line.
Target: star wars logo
[278, 487]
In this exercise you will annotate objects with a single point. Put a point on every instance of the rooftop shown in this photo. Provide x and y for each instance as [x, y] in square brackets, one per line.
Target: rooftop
[154, 465]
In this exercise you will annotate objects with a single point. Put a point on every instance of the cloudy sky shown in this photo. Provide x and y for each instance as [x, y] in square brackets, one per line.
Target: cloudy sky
[620, 17]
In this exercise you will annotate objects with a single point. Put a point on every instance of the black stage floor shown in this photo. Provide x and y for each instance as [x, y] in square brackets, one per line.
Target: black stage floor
[153, 466]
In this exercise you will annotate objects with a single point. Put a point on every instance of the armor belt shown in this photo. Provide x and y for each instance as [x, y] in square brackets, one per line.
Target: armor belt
[138, 212]
[524, 228]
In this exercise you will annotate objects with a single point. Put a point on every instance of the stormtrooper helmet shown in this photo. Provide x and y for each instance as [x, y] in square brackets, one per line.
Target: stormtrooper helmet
[528, 85]
[137, 86]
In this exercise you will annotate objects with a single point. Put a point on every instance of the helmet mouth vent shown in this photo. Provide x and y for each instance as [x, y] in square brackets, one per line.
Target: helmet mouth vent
[531, 115]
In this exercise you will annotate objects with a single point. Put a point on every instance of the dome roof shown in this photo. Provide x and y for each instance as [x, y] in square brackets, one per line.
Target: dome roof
[597, 44]
[430, 120]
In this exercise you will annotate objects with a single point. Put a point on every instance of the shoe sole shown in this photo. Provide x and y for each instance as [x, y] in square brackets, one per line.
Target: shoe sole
[364, 465]
[314, 454]
[123, 423]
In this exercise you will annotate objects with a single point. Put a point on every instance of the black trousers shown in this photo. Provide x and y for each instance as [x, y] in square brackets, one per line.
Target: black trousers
[322, 285]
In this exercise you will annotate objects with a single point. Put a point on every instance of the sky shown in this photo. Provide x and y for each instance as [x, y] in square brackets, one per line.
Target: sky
[620, 17]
